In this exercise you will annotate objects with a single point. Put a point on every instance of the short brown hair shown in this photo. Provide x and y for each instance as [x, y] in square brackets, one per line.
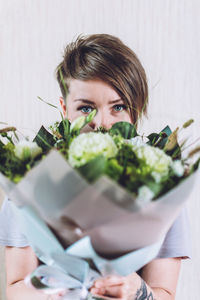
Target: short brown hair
[106, 57]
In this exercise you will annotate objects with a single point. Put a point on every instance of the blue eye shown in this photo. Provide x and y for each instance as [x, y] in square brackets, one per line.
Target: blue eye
[119, 107]
[85, 109]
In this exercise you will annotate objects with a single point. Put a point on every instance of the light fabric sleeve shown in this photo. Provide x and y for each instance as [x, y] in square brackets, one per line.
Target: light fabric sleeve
[10, 232]
[176, 244]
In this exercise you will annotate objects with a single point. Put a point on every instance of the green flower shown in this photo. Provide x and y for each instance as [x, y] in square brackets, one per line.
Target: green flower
[87, 146]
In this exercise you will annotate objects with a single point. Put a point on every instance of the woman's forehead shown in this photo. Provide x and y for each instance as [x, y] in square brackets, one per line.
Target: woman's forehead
[92, 88]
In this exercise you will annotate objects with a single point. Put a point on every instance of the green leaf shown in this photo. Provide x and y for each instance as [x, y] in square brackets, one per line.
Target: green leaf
[124, 129]
[64, 128]
[159, 139]
[1, 144]
[37, 283]
[195, 166]
[50, 104]
[94, 168]
[175, 153]
[44, 139]
[167, 130]
[153, 137]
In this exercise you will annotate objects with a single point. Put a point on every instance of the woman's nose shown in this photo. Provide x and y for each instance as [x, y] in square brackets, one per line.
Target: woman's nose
[100, 120]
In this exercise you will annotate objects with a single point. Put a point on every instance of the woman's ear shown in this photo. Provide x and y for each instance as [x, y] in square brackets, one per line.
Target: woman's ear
[63, 105]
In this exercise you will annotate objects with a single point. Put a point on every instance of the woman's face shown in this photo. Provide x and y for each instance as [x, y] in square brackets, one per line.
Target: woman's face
[84, 96]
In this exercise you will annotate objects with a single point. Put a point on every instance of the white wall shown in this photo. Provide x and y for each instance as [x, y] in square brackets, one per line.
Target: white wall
[164, 34]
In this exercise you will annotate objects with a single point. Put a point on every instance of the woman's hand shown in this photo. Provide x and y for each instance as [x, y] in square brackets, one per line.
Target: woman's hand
[118, 287]
[159, 281]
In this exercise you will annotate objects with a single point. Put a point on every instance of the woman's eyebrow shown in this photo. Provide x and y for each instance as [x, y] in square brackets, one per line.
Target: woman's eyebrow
[115, 101]
[84, 101]
[91, 102]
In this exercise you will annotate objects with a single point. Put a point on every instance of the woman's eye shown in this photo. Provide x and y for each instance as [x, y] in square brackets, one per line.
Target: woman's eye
[119, 107]
[85, 109]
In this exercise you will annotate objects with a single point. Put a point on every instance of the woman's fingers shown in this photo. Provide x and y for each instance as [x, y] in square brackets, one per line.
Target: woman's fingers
[109, 281]
[117, 291]
[110, 287]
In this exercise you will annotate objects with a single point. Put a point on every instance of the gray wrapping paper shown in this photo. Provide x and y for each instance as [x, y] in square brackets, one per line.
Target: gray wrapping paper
[116, 222]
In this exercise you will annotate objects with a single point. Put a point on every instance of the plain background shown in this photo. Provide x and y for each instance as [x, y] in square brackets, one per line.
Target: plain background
[164, 34]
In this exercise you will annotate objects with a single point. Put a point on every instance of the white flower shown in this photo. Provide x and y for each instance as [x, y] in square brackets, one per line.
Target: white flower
[145, 194]
[25, 150]
[154, 161]
[77, 124]
[178, 168]
[89, 145]
[137, 141]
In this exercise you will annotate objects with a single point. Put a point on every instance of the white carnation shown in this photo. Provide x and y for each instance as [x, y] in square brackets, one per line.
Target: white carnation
[87, 146]
[154, 161]
[25, 150]
[137, 141]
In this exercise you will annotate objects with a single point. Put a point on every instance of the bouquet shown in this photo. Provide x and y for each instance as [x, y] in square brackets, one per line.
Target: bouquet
[104, 182]
[145, 166]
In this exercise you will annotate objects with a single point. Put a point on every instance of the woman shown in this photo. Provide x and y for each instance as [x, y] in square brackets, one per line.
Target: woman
[100, 72]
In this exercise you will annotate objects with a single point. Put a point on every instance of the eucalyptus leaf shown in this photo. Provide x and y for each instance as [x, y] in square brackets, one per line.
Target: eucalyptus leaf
[124, 129]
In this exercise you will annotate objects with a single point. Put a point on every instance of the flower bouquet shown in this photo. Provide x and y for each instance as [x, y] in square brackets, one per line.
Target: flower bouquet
[91, 188]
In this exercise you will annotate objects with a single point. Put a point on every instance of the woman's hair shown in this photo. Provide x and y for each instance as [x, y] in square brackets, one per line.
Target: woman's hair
[106, 57]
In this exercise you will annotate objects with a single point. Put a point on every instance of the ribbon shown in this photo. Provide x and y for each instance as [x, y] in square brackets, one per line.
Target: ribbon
[60, 277]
